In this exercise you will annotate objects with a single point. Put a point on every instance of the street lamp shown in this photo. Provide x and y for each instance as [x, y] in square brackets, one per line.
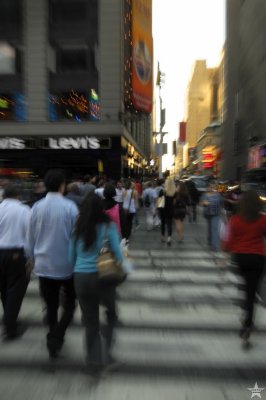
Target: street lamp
[159, 81]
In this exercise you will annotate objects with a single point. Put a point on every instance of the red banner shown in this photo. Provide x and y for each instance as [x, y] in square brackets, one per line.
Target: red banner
[182, 132]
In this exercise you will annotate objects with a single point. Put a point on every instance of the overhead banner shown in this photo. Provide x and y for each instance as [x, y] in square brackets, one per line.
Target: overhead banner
[142, 55]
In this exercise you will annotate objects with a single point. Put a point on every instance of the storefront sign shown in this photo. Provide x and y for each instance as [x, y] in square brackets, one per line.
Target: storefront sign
[12, 143]
[208, 157]
[74, 143]
[56, 143]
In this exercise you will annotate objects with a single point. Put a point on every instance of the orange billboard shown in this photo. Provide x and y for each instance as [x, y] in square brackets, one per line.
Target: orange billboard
[142, 55]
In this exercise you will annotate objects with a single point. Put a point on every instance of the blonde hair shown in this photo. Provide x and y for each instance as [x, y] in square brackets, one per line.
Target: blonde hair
[170, 187]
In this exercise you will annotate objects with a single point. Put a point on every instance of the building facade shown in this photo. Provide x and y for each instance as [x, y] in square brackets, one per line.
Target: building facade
[205, 98]
[63, 87]
[244, 128]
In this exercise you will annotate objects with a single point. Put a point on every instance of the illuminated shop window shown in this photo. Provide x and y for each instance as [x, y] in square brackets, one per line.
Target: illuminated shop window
[12, 107]
[74, 106]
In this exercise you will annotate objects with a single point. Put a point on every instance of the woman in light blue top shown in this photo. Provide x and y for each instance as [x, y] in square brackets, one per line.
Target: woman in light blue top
[91, 228]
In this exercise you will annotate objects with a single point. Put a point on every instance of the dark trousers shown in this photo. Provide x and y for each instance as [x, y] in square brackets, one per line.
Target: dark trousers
[13, 286]
[56, 293]
[165, 220]
[129, 222]
[90, 295]
[251, 267]
[193, 212]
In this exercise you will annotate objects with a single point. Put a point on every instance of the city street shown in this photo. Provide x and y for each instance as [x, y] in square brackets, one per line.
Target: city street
[178, 337]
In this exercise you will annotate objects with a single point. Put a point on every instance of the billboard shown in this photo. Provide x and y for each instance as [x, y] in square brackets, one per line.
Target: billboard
[142, 55]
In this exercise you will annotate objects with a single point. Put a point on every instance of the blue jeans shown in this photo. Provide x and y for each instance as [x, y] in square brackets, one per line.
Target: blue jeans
[213, 232]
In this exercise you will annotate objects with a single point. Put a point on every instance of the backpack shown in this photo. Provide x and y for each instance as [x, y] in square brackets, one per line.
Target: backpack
[147, 201]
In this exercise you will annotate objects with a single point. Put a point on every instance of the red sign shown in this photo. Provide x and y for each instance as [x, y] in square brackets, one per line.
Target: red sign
[208, 160]
[182, 132]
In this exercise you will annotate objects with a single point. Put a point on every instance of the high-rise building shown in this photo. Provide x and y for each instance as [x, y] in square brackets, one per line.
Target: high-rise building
[203, 118]
[198, 101]
[244, 128]
[75, 79]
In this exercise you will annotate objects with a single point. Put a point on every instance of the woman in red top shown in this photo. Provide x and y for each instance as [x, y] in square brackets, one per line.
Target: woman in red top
[247, 230]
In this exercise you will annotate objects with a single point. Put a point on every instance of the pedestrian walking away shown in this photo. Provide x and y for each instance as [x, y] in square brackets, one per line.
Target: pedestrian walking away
[181, 204]
[212, 203]
[51, 224]
[167, 209]
[92, 226]
[14, 277]
[149, 199]
[73, 193]
[89, 185]
[246, 234]
[129, 207]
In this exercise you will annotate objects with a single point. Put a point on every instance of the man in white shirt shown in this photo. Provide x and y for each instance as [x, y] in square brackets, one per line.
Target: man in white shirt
[51, 224]
[119, 193]
[14, 221]
[100, 189]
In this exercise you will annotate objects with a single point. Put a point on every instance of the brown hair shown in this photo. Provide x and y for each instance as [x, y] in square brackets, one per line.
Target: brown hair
[250, 206]
[182, 189]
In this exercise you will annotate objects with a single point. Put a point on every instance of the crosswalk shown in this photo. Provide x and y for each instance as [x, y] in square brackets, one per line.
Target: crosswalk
[180, 315]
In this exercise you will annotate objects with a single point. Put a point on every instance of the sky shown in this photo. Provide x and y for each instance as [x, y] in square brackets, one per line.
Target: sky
[184, 31]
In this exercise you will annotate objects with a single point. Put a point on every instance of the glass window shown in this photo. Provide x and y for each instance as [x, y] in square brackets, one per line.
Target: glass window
[72, 60]
[62, 10]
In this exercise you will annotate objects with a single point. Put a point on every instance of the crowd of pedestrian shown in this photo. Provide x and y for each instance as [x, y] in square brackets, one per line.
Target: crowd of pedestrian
[61, 231]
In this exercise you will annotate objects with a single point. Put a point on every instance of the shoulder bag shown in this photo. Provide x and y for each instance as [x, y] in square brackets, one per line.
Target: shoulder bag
[109, 269]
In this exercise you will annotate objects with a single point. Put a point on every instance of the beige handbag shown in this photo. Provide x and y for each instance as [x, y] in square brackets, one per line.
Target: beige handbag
[109, 270]
[161, 202]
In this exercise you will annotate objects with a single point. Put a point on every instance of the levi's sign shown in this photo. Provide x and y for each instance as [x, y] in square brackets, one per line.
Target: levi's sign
[74, 143]
[56, 143]
[12, 143]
